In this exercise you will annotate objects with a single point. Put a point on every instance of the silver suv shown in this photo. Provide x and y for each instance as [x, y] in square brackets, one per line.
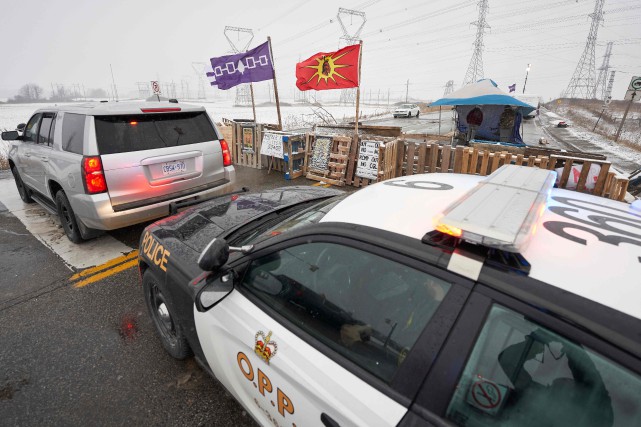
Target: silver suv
[104, 166]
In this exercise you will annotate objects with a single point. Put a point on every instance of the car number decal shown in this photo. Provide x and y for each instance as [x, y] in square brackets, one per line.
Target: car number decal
[263, 384]
[603, 218]
[154, 251]
[420, 185]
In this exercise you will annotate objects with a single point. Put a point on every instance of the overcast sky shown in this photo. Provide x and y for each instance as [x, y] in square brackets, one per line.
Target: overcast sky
[428, 42]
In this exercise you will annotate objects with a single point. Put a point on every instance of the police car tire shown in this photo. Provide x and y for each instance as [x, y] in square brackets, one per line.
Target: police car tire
[174, 340]
[24, 192]
[68, 218]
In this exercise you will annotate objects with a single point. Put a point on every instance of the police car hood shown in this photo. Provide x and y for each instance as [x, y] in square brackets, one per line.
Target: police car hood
[189, 231]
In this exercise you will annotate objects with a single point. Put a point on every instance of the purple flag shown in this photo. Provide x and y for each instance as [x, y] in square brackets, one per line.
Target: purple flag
[512, 87]
[252, 66]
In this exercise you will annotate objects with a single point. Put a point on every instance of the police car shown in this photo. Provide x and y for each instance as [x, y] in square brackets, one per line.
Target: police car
[437, 299]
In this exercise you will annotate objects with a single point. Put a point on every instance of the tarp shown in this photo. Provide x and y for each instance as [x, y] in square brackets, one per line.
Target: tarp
[489, 129]
[483, 92]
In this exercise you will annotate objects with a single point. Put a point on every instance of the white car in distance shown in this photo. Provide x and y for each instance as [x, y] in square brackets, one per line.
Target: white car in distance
[407, 110]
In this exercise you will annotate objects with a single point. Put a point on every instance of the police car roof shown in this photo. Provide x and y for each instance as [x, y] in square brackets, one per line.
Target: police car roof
[126, 107]
[587, 245]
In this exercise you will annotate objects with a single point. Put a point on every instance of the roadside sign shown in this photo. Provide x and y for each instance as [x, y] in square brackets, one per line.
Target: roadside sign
[629, 93]
[635, 86]
[155, 86]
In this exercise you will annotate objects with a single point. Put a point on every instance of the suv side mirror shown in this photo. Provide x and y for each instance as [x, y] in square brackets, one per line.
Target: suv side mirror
[11, 135]
[21, 127]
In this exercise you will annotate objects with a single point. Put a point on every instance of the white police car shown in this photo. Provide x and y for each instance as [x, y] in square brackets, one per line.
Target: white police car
[436, 299]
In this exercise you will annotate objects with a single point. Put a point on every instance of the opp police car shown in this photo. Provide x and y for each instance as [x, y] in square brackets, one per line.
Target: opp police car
[433, 299]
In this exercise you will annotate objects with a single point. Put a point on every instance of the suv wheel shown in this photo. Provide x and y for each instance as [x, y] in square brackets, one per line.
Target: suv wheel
[68, 218]
[162, 313]
[25, 193]
[418, 113]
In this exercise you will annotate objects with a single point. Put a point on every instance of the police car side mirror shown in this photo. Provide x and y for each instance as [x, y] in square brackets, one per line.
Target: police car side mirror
[214, 256]
[11, 135]
[215, 291]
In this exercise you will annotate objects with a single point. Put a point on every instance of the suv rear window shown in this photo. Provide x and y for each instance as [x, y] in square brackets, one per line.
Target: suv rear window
[121, 134]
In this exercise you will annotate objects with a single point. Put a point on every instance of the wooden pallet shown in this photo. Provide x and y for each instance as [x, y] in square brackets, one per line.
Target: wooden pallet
[337, 165]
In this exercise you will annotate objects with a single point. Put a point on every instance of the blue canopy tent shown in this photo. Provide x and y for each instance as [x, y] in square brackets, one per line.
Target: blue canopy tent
[488, 109]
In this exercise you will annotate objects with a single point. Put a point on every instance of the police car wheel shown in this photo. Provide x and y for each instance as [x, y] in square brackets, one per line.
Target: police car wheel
[25, 195]
[161, 312]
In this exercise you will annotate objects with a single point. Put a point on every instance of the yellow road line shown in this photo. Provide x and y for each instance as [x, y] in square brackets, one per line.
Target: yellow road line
[107, 273]
[327, 185]
[316, 185]
[104, 266]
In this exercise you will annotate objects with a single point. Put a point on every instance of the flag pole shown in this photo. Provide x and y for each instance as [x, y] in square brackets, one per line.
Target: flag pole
[280, 122]
[251, 90]
[358, 88]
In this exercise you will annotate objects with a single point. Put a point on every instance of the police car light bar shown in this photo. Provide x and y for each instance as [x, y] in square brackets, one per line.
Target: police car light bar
[501, 211]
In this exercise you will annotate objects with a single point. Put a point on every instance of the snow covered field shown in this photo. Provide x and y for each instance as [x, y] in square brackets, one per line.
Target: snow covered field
[293, 116]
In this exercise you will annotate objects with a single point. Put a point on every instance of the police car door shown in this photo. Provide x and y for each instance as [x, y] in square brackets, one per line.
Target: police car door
[315, 332]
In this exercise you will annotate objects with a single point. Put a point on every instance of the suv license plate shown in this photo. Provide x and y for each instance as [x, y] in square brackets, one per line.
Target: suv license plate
[173, 168]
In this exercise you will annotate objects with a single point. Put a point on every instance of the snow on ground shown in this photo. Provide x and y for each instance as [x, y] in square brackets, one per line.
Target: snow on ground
[582, 127]
[293, 116]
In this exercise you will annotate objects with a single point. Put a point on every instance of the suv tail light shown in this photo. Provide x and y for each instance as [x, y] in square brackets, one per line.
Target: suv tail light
[94, 176]
[226, 153]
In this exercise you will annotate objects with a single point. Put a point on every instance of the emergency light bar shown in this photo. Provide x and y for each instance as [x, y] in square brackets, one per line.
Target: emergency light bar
[502, 211]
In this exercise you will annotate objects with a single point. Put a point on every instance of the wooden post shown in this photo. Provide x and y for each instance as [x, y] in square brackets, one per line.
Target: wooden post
[616, 138]
[251, 90]
[280, 122]
[358, 88]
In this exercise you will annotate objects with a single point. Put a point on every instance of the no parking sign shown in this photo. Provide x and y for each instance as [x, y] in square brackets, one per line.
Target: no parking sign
[155, 86]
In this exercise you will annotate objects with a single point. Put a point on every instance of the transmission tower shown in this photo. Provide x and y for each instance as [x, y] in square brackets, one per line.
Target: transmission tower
[449, 88]
[351, 35]
[143, 90]
[600, 87]
[475, 69]
[608, 91]
[243, 95]
[582, 84]
[200, 68]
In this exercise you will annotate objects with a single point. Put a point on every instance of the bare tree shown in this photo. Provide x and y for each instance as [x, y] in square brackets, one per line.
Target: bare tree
[29, 93]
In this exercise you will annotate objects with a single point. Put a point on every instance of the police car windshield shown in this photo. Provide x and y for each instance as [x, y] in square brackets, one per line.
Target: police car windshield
[293, 219]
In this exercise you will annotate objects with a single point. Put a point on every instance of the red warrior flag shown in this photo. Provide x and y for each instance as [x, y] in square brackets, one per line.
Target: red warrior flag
[333, 70]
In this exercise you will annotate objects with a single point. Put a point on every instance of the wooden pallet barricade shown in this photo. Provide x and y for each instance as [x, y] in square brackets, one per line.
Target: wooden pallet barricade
[335, 170]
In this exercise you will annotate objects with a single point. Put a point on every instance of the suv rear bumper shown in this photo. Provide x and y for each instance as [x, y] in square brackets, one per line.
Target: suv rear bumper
[96, 211]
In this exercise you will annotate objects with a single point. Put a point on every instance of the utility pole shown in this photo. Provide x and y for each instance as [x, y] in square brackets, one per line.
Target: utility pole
[475, 69]
[527, 71]
[113, 81]
[582, 84]
[407, 88]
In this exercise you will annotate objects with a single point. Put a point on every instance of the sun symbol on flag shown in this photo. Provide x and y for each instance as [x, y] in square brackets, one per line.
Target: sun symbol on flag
[326, 68]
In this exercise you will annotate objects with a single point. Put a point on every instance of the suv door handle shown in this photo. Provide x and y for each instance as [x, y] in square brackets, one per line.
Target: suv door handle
[328, 421]
[27, 155]
[44, 159]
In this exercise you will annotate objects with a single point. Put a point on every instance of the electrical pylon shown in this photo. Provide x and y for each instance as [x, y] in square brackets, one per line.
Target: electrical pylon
[582, 83]
[200, 69]
[475, 69]
[349, 37]
[449, 88]
[608, 91]
[600, 86]
[243, 95]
